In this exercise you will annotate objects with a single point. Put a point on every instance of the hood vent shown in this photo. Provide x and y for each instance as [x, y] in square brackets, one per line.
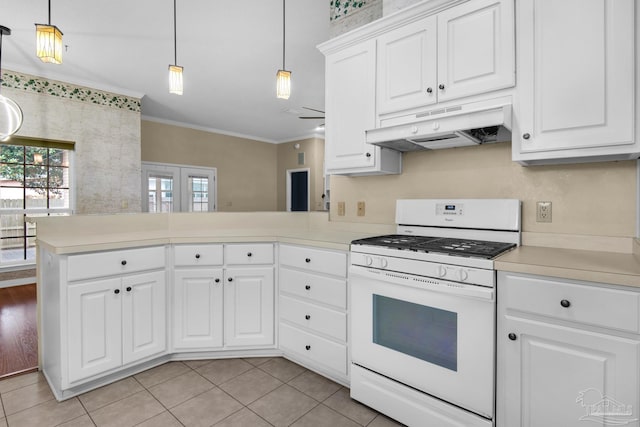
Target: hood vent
[457, 126]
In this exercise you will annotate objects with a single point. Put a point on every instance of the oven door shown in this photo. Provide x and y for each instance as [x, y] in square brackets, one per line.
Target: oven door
[435, 336]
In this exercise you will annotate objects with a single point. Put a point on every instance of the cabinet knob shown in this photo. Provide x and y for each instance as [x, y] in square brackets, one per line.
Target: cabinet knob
[116, 291]
[512, 336]
[307, 347]
[307, 260]
[565, 303]
[217, 280]
[526, 136]
[128, 288]
[123, 262]
[307, 317]
[230, 279]
[429, 90]
[307, 287]
[197, 256]
[441, 86]
[249, 254]
[368, 154]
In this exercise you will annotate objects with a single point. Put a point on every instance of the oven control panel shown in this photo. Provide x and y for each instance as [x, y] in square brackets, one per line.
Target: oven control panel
[449, 209]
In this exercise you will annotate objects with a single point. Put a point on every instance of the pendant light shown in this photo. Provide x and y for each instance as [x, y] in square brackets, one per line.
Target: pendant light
[10, 112]
[175, 71]
[49, 42]
[283, 77]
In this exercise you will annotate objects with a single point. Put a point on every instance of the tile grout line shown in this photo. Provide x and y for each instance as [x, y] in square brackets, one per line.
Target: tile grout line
[156, 399]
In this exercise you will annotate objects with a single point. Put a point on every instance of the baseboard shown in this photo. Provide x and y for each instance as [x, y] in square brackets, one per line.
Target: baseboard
[17, 282]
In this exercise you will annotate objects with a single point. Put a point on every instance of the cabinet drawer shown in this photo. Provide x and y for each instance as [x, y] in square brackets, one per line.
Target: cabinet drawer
[590, 304]
[109, 263]
[314, 348]
[318, 288]
[191, 255]
[318, 260]
[254, 253]
[311, 316]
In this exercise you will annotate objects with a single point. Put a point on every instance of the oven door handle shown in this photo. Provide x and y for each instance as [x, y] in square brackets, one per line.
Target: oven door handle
[421, 283]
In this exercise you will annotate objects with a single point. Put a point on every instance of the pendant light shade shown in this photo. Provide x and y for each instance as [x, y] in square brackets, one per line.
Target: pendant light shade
[49, 42]
[10, 112]
[283, 77]
[175, 71]
[175, 79]
[283, 84]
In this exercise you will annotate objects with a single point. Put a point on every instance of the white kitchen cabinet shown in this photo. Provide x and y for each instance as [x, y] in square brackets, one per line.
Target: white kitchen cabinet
[112, 321]
[566, 350]
[577, 85]
[313, 309]
[462, 51]
[350, 92]
[249, 307]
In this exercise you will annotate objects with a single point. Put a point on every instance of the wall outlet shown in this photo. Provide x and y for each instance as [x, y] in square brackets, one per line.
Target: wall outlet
[543, 212]
[340, 208]
[360, 208]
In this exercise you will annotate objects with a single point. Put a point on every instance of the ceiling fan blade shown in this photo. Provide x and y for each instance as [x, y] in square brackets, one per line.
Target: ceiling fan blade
[313, 109]
[309, 117]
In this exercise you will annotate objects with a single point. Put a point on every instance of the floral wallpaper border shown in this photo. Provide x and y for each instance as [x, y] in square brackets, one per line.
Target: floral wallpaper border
[65, 90]
[340, 8]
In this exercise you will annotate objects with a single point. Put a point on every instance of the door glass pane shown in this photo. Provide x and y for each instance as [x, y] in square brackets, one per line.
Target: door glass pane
[420, 331]
[198, 188]
[160, 194]
[12, 238]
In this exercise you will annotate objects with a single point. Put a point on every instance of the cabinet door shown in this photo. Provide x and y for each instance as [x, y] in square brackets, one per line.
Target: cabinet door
[94, 323]
[476, 48]
[249, 306]
[351, 99]
[559, 376]
[407, 67]
[575, 79]
[197, 309]
[143, 316]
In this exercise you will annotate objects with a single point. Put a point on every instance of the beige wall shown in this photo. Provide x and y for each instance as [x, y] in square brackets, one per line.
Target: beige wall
[246, 169]
[588, 199]
[106, 165]
[313, 149]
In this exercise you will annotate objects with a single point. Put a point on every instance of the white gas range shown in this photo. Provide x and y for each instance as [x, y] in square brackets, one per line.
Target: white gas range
[423, 311]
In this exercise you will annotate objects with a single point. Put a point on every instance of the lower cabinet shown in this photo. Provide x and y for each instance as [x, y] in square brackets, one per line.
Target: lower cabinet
[568, 353]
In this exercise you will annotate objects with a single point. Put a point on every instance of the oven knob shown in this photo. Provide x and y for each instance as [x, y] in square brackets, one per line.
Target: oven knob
[442, 271]
[368, 260]
[464, 275]
[383, 263]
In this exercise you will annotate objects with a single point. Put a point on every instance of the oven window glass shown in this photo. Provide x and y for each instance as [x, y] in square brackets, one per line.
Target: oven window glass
[428, 333]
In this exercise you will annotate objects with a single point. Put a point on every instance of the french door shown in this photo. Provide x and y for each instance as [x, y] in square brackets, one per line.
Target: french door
[175, 188]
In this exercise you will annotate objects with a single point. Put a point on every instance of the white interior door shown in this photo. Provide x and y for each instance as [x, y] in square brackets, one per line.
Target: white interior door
[177, 188]
[197, 189]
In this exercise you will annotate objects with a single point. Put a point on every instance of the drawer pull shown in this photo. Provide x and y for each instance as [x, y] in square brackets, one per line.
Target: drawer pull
[123, 262]
[307, 287]
[230, 279]
[565, 303]
[307, 347]
[217, 280]
[128, 288]
[116, 291]
[512, 336]
[307, 317]
[197, 256]
[249, 254]
[307, 260]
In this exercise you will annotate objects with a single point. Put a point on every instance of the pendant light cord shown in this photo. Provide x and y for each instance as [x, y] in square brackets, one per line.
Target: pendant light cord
[49, 12]
[283, 33]
[175, 37]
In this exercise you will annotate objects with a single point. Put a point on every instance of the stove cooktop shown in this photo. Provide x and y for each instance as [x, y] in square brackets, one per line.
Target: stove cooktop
[442, 245]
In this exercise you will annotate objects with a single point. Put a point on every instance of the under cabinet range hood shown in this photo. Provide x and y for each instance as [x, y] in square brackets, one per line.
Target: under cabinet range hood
[456, 126]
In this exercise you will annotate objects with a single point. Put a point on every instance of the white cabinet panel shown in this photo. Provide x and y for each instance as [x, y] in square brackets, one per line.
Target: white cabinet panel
[194, 255]
[315, 348]
[94, 322]
[109, 263]
[198, 308]
[321, 289]
[314, 260]
[319, 319]
[248, 254]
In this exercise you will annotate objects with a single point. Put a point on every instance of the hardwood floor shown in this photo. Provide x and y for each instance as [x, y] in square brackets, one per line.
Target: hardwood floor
[18, 331]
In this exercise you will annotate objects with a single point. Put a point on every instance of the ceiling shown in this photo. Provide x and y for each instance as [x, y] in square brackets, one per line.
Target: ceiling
[230, 51]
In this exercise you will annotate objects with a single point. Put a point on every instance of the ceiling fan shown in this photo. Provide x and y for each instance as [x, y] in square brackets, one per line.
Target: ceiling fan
[321, 125]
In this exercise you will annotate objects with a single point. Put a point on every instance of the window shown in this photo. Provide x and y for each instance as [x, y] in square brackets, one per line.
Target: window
[171, 188]
[34, 181]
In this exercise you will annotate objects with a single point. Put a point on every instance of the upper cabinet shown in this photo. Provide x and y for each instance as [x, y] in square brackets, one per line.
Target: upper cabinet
[576, 92]
[462, 51]
[350, 105]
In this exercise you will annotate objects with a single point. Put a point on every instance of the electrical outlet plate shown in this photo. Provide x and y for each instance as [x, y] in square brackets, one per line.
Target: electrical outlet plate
[543, 212]
[340, 208]
[360, 208]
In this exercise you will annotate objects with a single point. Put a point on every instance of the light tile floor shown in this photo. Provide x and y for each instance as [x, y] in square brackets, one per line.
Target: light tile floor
[252, 392]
